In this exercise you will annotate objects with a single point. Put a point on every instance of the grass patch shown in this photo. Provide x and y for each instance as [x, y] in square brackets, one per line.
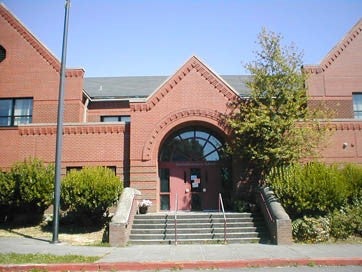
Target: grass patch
[15, 258]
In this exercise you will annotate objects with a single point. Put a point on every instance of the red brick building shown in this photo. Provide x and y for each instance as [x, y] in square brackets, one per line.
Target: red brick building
[161, 135]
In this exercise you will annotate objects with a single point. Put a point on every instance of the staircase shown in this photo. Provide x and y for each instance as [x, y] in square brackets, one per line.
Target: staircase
[200, 227]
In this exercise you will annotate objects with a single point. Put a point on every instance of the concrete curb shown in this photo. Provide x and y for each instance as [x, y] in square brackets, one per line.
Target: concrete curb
[184, 265]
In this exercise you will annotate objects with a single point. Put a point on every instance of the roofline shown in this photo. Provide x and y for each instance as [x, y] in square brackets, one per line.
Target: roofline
[216, 74]
[180, 67]
[336, 50]
[34, 42]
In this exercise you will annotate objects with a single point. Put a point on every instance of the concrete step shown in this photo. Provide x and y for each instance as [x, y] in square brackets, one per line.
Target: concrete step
[159, 228]
[196, 230]
[163, 225]
[193, 235]
[197, 241]
[186, 220]
[192, 215]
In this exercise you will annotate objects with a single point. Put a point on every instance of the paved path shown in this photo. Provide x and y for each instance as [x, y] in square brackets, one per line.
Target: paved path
[190, 256]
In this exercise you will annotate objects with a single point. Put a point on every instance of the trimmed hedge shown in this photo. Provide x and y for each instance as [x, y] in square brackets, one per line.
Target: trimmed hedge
[89, 193]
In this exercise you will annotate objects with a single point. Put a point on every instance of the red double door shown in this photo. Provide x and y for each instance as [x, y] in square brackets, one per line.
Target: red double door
[195, 185]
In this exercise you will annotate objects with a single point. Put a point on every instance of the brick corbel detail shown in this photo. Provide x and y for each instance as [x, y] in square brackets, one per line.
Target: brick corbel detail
[345, 126]
[167, 87]
[68, 130]
[174, 117]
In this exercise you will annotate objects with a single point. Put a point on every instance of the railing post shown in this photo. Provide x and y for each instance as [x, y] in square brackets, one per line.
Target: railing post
[176, 208]
[221, 203]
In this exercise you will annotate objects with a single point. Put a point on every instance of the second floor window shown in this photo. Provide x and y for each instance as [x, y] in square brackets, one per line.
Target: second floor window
[15, 111]
[357, 105]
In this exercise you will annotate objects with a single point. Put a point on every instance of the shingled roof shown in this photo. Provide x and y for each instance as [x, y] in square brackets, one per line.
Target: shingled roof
[130, 87]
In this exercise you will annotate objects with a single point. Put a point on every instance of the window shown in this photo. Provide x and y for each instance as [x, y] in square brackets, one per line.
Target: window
[73, 168]
[357, 105]
[164, 189]
[79, 168]
[193, 144]
[2, 53]
[15, 111]
[122, 118]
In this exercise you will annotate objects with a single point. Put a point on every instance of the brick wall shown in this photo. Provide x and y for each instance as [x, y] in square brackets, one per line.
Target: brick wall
[30, 70]
[339, 74]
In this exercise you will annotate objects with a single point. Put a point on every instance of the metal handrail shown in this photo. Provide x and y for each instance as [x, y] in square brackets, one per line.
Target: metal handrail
[266, 207]
[176, 209]
[221, 204]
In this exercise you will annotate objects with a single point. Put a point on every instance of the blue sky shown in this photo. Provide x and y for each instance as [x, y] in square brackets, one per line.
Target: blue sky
[155, 37]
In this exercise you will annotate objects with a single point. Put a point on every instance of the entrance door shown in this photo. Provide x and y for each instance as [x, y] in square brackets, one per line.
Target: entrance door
[190, 167]
[196, 187]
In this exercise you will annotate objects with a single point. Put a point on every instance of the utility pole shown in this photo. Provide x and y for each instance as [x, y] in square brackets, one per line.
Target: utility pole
[59, 139]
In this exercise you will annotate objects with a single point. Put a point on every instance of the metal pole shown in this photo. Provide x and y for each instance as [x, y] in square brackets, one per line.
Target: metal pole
[59, 139]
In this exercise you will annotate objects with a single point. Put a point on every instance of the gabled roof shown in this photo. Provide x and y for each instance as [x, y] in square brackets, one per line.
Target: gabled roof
[337, 50]
[39, 47]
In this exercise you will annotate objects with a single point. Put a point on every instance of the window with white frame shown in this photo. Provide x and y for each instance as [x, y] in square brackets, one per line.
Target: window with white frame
[15, 111]
[357, 105]
[116, 118]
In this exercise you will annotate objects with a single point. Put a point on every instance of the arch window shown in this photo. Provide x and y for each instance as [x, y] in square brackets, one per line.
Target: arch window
[192, 144]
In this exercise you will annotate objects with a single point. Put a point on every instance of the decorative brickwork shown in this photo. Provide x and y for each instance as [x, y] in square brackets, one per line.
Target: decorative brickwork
[164, 124]
[192, 64]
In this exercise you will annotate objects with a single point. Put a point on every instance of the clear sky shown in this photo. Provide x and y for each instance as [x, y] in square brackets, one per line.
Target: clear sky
[155, 37]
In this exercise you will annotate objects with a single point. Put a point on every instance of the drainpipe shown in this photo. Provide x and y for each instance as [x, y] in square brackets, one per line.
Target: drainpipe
[85, 110]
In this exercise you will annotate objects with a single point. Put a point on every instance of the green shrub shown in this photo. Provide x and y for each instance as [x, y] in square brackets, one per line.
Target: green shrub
[89, 193]
[7, 186]
[353, 177]
[27, 189]
[34, 185]
[311, 230]
[347, 221]
[314, 189]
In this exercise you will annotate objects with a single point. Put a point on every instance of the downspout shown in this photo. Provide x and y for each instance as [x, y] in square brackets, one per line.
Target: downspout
[85, 110]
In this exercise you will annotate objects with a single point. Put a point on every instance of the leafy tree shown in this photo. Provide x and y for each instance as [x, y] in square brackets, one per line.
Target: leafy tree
[266, 127]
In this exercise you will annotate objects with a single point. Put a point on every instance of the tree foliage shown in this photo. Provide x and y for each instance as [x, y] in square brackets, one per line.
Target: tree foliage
[266, 127]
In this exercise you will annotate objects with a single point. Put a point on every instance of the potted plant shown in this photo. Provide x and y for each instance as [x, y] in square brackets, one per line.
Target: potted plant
[143, 206]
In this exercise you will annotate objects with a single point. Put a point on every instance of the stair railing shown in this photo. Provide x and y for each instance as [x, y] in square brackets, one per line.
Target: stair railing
[221, 205]
[176, 209]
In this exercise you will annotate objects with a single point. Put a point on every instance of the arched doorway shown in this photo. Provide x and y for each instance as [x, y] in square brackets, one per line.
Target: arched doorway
[192, 166]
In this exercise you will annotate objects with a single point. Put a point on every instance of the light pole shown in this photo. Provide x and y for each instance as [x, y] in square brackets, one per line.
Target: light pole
[59, 139]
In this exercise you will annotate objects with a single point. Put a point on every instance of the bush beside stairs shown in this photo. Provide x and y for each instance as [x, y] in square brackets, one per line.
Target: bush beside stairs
[198, 227]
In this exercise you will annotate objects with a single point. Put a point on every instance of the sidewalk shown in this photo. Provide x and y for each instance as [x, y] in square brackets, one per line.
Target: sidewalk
[156, 257]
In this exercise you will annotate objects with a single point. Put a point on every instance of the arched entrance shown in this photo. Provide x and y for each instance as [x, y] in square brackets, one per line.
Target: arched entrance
[191, 166]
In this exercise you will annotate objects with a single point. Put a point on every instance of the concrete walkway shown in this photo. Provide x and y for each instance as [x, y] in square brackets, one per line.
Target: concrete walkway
[156, 257]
